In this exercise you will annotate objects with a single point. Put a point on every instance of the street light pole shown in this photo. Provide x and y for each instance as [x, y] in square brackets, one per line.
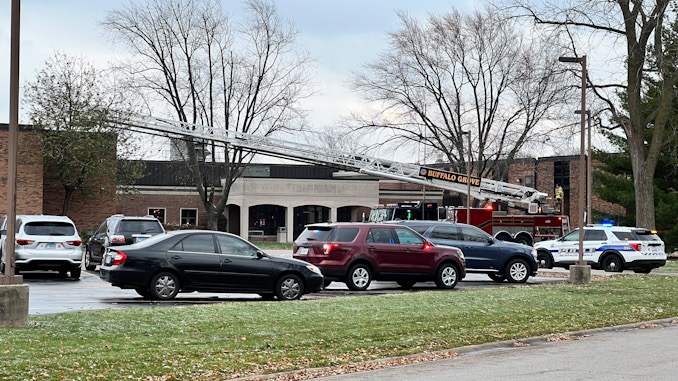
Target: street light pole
[578, 275]
[589, 173]
[468, 179]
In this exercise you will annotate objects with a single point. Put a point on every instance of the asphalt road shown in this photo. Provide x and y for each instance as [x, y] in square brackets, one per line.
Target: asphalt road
[645, 353]
[51, 293]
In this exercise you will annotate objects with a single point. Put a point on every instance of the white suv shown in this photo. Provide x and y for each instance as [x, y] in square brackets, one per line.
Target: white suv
[611, 248]
[45, 243]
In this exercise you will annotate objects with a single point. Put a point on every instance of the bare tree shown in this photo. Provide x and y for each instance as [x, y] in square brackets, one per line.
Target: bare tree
[645, 31]
[456, 73]
[191, 60]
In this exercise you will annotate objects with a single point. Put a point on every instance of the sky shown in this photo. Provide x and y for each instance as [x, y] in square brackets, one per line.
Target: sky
[340, 35]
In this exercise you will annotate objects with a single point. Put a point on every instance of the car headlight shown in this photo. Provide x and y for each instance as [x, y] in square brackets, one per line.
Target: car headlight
[315, 269]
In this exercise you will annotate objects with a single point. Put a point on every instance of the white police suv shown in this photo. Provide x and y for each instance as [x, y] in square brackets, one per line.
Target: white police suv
[611, 248]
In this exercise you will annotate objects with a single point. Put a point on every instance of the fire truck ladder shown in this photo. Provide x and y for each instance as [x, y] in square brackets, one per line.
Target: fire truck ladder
[487, 190]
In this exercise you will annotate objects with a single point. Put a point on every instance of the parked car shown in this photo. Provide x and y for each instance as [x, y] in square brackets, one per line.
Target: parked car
[357, 253]
[206, 261]
[611, 248]
[500, 260]
[119, 230]
[44, 243]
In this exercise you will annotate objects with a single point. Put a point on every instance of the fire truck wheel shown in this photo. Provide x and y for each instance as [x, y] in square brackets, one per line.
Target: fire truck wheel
[524, 240]
[544, 260]
[517, 271]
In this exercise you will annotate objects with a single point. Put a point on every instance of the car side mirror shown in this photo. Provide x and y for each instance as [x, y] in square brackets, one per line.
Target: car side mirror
[260, 254]
[3, 232]
[490, 241]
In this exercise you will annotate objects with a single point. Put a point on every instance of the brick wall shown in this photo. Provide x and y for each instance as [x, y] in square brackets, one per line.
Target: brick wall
[138, 205]
[29, 172]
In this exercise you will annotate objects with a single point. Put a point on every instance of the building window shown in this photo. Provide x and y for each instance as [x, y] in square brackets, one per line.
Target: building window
[529, 181]
[189, 216]
[158, 213]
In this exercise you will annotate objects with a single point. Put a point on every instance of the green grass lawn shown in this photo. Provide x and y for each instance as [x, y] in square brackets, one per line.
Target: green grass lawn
[240, 338]
[273, 245]
[671, 265]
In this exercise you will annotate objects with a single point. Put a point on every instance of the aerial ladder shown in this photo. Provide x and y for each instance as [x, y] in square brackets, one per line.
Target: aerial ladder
[480, 188]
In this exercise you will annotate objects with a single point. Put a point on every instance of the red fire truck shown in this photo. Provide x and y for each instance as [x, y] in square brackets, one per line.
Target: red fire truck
[524, 228]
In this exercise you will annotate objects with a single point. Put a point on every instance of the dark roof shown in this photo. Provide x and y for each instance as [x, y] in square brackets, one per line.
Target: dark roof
[176, 173]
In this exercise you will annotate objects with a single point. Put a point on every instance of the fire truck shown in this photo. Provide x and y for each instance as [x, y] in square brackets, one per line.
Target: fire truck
[522, 228]
[534, 227]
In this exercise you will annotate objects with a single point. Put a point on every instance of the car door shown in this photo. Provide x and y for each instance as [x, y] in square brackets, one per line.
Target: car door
[242, 268]
[196, 259]
[593, 239]
[412, 256]
[383, 250]
[566, 249]
[479, 249]
[97, 242]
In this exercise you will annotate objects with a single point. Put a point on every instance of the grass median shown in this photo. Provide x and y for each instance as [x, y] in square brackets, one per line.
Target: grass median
[224, 340]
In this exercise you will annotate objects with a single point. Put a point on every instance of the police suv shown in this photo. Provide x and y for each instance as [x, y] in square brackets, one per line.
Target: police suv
[611, 248]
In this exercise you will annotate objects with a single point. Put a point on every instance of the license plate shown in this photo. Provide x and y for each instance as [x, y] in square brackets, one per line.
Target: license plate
[304, 251]
[50, 246]
[137, 239]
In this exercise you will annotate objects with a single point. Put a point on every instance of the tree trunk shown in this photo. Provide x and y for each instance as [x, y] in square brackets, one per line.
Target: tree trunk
[67, 201]
[643, 185]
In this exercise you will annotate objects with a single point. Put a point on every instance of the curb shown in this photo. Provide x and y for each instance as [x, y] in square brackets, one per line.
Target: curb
[457, 351]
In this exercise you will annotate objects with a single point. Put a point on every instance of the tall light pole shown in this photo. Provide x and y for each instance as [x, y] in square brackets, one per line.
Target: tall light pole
[468, 178]
[589, 173]
[578, 275]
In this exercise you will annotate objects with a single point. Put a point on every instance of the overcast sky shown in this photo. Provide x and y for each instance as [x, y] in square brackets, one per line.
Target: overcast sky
[340, 35]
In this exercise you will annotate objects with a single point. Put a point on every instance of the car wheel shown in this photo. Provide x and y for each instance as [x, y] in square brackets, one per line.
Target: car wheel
[642, 271]
[406, 284]
[524, 241]
[2, 267]
[517, 271]
[613, 264]
[289, 287]
[88, 261]
[544, 260]
[447, 276]
[359, 278]
[63, 272]
[75, 273]
[164, 286]
[326, 283]
[497, 277]
[143, 292]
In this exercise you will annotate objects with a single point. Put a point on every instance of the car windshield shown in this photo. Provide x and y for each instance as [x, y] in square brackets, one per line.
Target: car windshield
[139, 226]
[49, 228]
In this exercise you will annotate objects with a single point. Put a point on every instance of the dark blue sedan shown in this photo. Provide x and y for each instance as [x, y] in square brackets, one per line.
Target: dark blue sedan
[208, 261]
[484, 254]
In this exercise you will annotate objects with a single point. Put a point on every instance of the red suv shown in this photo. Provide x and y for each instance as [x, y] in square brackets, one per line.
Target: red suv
[357, 253]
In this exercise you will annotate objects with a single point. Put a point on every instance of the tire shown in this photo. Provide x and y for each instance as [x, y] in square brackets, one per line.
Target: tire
[289, 287]
[642, 271]
[164, 286]
[326, 283]
[2, 267]
[504, 237]
[447, 276]
[613, 264]
[75, 273]
[544, 260]
[517, 271]
[406, 284]
[527, 241]
[359, 277]
[497, 277]
[88, 261]
[143, 292]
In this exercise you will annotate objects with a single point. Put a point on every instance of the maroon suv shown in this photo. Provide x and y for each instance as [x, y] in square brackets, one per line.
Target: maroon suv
[357, 253]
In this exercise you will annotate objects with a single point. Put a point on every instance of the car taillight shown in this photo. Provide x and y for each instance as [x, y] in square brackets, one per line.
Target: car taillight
[327, 248]
[24, 242]
[635, 246]
[74, 243]
[117, 239]
[119, 258]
